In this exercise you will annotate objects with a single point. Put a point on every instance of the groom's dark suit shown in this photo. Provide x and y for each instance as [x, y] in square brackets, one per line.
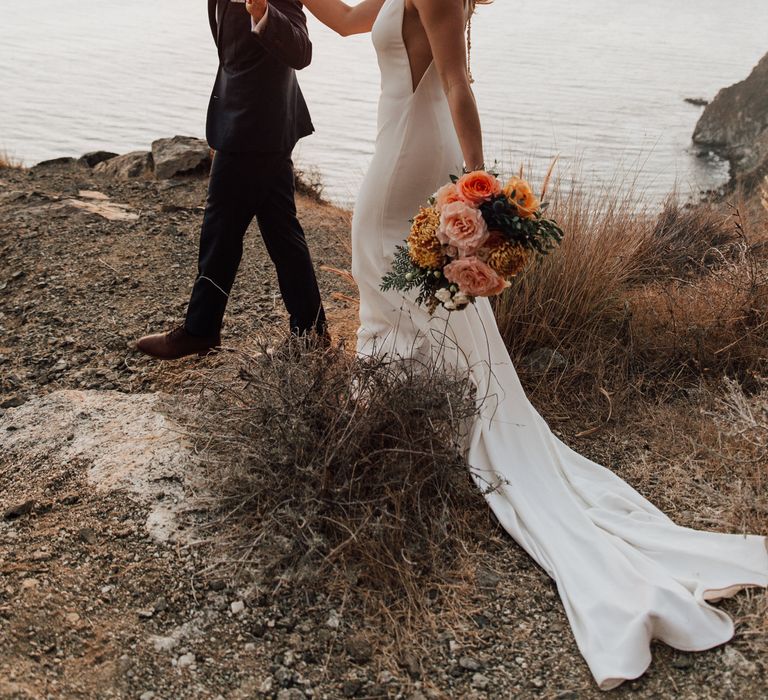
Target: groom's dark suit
[256, 115]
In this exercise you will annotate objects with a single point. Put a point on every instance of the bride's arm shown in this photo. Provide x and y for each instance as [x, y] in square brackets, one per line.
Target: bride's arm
[444, 22]
[342, 18]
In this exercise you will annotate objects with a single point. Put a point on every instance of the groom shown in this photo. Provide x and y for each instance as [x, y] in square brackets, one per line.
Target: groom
[255, 117]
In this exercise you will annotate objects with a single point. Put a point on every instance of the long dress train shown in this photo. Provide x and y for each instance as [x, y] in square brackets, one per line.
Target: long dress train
[625, 572]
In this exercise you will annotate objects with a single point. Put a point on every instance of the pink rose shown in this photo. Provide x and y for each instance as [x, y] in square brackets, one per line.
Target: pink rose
[447, 194]
[475, 278]
[462, 226]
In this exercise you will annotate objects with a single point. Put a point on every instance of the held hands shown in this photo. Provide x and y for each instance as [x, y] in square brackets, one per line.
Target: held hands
[256, 9]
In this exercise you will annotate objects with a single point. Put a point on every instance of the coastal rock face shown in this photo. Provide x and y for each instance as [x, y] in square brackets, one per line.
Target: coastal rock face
[179, 155]
[125, 167]
[735, 124]
[126, 441]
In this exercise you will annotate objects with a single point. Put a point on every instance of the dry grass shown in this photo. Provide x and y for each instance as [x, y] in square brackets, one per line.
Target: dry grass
[324, 466]
[7, 161]
[309, 183]
[638, 302]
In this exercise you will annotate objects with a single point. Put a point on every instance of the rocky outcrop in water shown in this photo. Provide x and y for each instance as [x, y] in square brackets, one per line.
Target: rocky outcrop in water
[735, 127]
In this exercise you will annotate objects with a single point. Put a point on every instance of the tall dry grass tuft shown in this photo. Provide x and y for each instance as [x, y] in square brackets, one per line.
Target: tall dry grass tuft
[9, 162]
[639, 300]
[322, 465]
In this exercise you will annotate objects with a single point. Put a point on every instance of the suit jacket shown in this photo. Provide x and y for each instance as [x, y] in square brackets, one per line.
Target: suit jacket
[257, 105]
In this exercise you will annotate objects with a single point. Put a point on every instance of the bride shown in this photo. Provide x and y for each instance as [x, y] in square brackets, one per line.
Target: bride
[625, 572]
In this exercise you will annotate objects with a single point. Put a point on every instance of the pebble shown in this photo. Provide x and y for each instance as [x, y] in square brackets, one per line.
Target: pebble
[186, 660]
[291, 694]
[164, 643]
[682, 662]
[237, 607]
[480, 682]
[351, 688]
[19, 509]
[283, 676]
[29, 584]
[87, 535]
[333, 621]
[359, 648]
[149, 695]
[469, 664]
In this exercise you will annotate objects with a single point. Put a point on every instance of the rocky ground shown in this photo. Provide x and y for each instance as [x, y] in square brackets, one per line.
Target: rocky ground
[105, 590]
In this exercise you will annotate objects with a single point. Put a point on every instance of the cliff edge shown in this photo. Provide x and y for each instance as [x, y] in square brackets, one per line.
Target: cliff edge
[735, 127]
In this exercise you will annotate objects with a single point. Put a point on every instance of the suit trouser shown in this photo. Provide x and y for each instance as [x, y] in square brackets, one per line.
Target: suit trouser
[244, 185]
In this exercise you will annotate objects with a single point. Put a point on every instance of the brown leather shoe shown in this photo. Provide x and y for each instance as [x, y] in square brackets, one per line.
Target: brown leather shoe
[176, 344]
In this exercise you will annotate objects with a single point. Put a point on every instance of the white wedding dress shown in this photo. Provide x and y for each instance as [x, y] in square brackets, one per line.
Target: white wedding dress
[625, 572]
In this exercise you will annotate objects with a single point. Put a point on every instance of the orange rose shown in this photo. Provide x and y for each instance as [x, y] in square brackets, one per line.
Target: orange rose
[519, 193]
[478, 187]
[474, 278]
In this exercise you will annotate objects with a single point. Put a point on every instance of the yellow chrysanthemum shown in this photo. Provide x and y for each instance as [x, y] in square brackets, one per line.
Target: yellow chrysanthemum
[423, 245]
[508, 259]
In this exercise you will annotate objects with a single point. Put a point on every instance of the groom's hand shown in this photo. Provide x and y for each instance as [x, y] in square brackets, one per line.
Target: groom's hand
[256, 9]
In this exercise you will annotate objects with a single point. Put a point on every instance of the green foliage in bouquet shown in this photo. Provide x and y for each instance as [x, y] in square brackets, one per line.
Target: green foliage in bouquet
[537, 233]
[406, 276]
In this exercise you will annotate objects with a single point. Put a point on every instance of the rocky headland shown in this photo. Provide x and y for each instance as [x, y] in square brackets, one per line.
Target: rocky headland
[734, 126]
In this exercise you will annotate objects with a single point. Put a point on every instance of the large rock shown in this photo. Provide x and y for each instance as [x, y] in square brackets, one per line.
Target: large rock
[126, 441]
[180, 155]
[126, 167]
[93, 158]
[735, 124]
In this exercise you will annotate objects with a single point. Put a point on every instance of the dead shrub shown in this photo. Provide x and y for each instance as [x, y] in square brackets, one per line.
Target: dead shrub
[709, 326]
[687, 240]
[321, 464]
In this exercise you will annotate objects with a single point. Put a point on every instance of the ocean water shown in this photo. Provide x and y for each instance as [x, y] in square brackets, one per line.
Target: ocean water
[599, 83]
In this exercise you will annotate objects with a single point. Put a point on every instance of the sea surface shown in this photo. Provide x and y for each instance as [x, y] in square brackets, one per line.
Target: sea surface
[599, 83]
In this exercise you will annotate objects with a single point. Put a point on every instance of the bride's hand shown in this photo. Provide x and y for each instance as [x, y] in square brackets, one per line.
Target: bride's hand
[256, 9]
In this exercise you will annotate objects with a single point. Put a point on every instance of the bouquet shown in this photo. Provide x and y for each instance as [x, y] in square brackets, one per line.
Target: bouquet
[472, 238]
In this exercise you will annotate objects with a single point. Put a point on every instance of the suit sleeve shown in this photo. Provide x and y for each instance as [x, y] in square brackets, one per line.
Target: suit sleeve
[285, 34]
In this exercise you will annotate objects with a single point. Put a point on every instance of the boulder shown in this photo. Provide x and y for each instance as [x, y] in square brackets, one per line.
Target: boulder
[126, 167]
[180, 155]
[93, 158]
[54, 163]
[735, 124]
